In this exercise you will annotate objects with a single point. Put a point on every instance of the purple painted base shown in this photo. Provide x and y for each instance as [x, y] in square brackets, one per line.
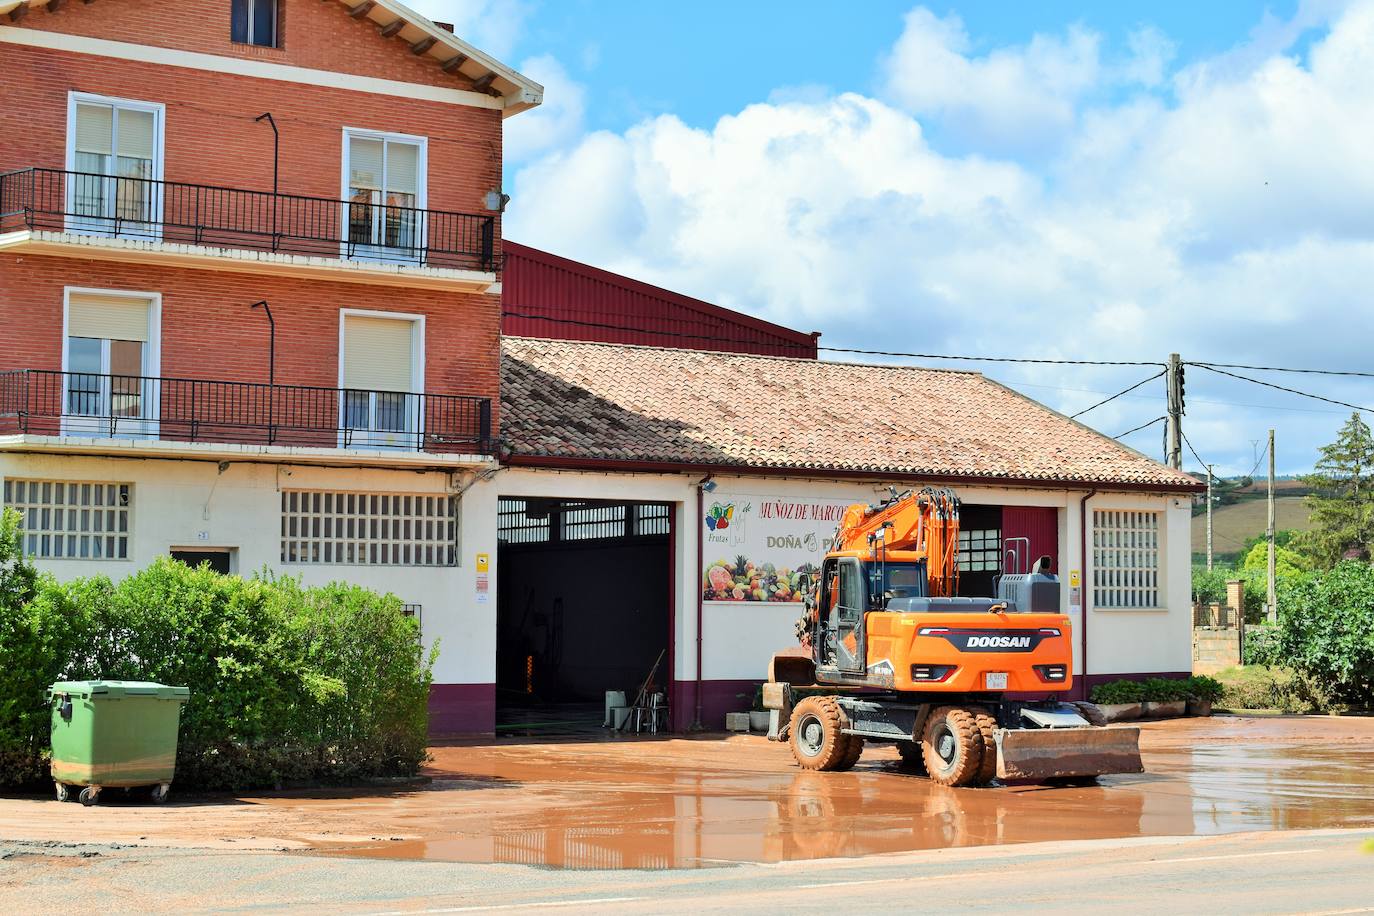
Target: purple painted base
[462, 709]
[717, 698]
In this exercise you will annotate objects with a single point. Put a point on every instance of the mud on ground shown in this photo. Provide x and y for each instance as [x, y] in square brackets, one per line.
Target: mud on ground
[707, 801]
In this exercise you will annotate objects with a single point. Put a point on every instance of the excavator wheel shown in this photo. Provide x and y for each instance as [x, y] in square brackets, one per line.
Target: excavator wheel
[987, 725]
[1092, 712]
[913, 760]
[953, 746]
[817, 743]
[851, 757]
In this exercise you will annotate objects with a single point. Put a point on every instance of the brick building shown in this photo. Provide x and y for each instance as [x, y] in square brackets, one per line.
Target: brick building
[249, 287]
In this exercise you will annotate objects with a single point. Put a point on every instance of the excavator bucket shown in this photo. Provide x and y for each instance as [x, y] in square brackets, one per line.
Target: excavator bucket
[1045, 753]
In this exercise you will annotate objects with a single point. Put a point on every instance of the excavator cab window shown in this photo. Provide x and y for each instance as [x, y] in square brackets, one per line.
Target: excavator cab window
[896, 580]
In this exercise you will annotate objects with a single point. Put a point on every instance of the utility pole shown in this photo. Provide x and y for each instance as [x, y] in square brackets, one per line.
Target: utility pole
[1209, 518]
[1174, 457]
[1273, 602]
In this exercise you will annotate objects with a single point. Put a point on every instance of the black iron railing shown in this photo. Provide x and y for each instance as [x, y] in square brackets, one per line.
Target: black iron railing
[370, 228]
[47, 402]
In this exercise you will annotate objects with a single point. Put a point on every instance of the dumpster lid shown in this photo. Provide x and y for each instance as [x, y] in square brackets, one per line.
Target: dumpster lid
[117, 689]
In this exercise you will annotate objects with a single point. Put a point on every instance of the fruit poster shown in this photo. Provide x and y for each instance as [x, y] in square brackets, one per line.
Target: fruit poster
[764, 548]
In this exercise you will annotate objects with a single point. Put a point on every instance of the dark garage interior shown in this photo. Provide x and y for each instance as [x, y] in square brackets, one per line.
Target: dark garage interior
[583, 607]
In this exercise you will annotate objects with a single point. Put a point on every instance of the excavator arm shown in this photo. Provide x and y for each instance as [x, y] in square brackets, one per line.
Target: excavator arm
[925, 523]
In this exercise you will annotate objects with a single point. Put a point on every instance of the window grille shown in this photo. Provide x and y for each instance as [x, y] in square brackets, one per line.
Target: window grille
[73, 520]
[980, 550]
[593, 523]
[651, 519]
[1125, 559]
[515, 526]
[367, 529]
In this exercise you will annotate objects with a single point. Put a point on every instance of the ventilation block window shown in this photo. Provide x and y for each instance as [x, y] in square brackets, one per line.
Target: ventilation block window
[367, 529]
[72, 520]
[1125, 559]
[254, 22]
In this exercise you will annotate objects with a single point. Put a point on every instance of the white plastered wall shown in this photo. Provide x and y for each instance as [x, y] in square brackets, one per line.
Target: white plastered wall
[193, 505]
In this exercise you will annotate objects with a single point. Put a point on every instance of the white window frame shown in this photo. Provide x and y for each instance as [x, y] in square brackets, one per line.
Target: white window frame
[1160, 548]
[83, 224]
[147, 426]
[380, 438]
[378, 252]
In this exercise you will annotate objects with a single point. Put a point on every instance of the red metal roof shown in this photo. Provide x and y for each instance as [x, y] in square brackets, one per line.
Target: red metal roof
[544, 295]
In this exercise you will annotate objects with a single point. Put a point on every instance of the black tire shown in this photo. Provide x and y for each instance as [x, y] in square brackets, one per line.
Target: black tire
[952, 746]
[159, 794]
[1092, 712]
[60, 789]
[88, 796]
[987, 727]
[851, 756]
[913, 759]
[817, 742]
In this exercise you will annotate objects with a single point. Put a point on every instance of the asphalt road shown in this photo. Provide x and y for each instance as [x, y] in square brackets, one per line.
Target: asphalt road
[1310, 872]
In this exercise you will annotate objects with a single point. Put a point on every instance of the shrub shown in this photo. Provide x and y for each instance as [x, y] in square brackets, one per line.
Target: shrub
[1251, 687]
[287, 683]
[1202, 688]
[1114, 692]
[1209, 585]
[1325, 633]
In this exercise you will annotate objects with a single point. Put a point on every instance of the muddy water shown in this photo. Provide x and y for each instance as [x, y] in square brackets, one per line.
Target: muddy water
[707, 803]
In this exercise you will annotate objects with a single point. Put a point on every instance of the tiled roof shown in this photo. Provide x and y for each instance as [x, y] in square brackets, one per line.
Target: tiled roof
[651, 405]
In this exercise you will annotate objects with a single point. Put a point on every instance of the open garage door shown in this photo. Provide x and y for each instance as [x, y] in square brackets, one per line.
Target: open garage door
[584, 605]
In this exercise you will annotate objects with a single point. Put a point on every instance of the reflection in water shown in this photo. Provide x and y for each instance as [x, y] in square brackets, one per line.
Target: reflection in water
[688, 817]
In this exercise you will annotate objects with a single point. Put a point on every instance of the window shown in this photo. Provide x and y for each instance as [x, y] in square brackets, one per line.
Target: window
[72, 520]
[367, 529]
[1125, 559]
[114, 150]
[380, 374]
[108, 358]
[254, 22]
[980, 551]
[384, 180]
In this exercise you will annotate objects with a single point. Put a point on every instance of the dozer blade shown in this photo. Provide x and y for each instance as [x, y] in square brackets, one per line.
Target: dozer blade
[1044, 753]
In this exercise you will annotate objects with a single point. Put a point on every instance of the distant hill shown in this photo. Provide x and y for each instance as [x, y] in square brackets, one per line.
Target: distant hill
[1233, 524]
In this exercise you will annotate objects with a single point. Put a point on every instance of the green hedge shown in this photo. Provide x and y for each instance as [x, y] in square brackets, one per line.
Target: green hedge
[287, 683]
[1157, 690]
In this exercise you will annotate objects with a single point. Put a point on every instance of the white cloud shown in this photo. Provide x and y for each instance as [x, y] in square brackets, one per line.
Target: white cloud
[1017, 95]
[556, 122]
[1232, 219]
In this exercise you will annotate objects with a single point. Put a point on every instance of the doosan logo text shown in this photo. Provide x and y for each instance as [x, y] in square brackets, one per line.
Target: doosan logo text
[999, 642]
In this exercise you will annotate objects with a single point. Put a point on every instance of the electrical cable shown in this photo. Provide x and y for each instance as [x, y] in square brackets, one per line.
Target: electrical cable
[678, 334]
[1139, 428]
[1255, 381]
[1193, 450]
[1117, 395]
[1283, 369]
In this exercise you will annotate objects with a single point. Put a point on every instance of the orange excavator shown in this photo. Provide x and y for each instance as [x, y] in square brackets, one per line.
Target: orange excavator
[890, 653]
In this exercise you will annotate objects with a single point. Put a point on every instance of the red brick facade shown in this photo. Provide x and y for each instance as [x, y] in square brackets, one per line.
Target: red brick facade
[208, 330]
[321, 36]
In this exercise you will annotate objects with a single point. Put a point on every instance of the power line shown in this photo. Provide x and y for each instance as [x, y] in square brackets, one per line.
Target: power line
[1255, 381]
[1115, 396]
[718, 339]
[1284, 369]
[1140, 427]
[1191, 449]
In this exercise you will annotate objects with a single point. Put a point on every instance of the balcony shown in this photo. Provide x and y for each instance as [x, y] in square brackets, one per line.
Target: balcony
[291, 418]
[140, 219]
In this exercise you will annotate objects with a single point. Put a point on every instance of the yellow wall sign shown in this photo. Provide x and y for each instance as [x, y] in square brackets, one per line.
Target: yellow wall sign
[483, 562]
[1073, 579]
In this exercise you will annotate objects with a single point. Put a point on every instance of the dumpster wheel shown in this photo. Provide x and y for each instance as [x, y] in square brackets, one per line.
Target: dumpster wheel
[159, 795]
[62, 793]
[89, 796]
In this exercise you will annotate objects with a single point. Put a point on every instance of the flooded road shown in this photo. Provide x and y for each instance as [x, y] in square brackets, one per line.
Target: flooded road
[701, 804]
[712, 802]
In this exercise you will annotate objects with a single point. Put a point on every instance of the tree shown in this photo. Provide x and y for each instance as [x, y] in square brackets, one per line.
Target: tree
[17, 575]
[1342, 498]
[1287, 562]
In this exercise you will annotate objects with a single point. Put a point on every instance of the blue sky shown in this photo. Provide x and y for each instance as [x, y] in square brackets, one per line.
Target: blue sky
[1102, 181]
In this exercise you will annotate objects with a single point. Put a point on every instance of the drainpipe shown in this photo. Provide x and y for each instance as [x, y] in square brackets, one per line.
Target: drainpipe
[701, 603]
[1083, 583]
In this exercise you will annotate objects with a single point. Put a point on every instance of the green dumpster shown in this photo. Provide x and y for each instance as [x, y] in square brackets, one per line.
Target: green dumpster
[114, 734]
